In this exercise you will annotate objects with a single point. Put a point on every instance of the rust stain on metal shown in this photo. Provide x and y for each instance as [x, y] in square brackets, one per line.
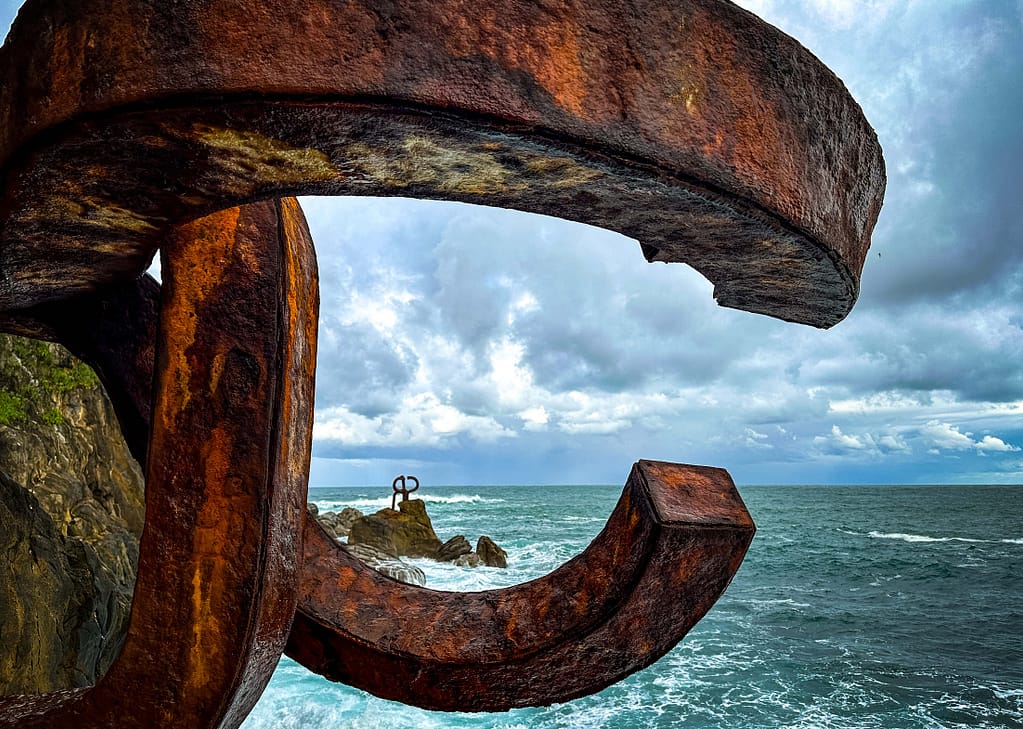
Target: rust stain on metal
[129, 127]
[425, 85]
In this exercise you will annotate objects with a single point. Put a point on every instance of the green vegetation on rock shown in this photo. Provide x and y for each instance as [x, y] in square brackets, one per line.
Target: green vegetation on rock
[31, 379]
[71, 511]
[12, 408]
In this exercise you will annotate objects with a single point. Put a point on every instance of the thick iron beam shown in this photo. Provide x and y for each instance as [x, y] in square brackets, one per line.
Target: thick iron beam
[225, 481]
[691, 125]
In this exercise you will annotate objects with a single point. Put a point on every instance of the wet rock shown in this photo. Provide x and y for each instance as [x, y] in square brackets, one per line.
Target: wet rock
[386, 564]
[336, 524]
[453, 549]
[468, 560]
[490, 554]
[407, 532]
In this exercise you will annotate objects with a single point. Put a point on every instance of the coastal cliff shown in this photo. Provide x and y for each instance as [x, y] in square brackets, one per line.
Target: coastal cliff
[71, 513]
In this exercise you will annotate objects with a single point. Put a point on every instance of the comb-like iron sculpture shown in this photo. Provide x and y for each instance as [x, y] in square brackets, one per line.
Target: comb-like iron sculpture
[129, 127]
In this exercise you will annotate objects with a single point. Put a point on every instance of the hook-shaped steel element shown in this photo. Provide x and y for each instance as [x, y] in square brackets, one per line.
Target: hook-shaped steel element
[403, 489]
[669, 549]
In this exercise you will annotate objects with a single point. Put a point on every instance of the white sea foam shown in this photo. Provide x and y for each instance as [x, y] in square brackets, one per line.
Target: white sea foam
[788, 602]
[915, 538]
[1012, 541]
[381, 502]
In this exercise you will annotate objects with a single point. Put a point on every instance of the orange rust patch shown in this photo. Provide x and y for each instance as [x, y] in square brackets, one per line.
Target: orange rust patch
[190, 281]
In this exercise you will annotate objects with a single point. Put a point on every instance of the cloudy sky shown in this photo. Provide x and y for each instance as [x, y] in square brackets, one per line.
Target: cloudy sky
[480, 346]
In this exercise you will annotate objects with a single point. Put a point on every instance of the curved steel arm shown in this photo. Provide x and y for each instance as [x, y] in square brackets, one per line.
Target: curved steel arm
[704, 133]
[668, 551]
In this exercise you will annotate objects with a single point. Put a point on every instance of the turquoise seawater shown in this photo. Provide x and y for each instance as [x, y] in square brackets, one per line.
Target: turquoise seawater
[895, 607]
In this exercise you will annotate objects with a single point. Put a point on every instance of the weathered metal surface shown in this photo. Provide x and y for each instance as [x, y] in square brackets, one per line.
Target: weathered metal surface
[692, 126]
[707, 135]
[225, 480]
[666, 554]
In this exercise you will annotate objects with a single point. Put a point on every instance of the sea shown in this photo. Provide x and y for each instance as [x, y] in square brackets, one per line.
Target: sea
[861, 606]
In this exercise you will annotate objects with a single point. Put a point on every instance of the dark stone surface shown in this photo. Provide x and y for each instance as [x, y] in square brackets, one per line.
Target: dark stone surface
[73, 503]
[453, 549]
[490, 554]
[469, 559]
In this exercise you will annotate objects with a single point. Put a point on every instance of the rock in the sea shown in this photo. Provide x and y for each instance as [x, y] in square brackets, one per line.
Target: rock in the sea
[313, 509]
[490, 554]
[71, 512]
[453, 549]
[404, 533]
[338, 525]
[470, 559]
[386, 564]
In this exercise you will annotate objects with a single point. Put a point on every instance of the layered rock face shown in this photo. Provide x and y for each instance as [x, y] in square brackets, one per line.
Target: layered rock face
[71, 513]
[408, 532]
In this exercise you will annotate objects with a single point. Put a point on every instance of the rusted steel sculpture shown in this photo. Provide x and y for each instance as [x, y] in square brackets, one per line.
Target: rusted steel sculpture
[404, 490]
[129, 127]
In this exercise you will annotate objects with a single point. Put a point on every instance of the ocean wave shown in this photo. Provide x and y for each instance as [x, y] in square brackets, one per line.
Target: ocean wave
[1012, 541]
[381, 502]
[788, 602]
[1005, 694]
[916, 538]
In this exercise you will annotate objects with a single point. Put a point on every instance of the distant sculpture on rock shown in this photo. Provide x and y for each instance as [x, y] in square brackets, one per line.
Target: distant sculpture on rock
[405, 531]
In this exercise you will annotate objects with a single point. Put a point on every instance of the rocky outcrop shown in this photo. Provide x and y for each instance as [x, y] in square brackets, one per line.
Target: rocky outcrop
[453, 549]
[490, 554]
[72, 510]
[336, 524]
[407, 532]
[469, 559]
[386, 564]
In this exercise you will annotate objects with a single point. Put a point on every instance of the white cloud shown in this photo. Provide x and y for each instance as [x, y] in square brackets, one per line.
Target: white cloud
[945, 435]
[535, 418]
[992, 444]
[949, 437]
[851, 442]
[421, 420]
[755, 439]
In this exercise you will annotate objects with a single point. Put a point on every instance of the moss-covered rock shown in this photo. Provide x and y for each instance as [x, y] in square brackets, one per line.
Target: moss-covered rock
[72, 508]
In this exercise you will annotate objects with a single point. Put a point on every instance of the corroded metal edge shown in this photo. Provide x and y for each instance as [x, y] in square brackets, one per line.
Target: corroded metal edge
[562, 636]
[698, 90]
